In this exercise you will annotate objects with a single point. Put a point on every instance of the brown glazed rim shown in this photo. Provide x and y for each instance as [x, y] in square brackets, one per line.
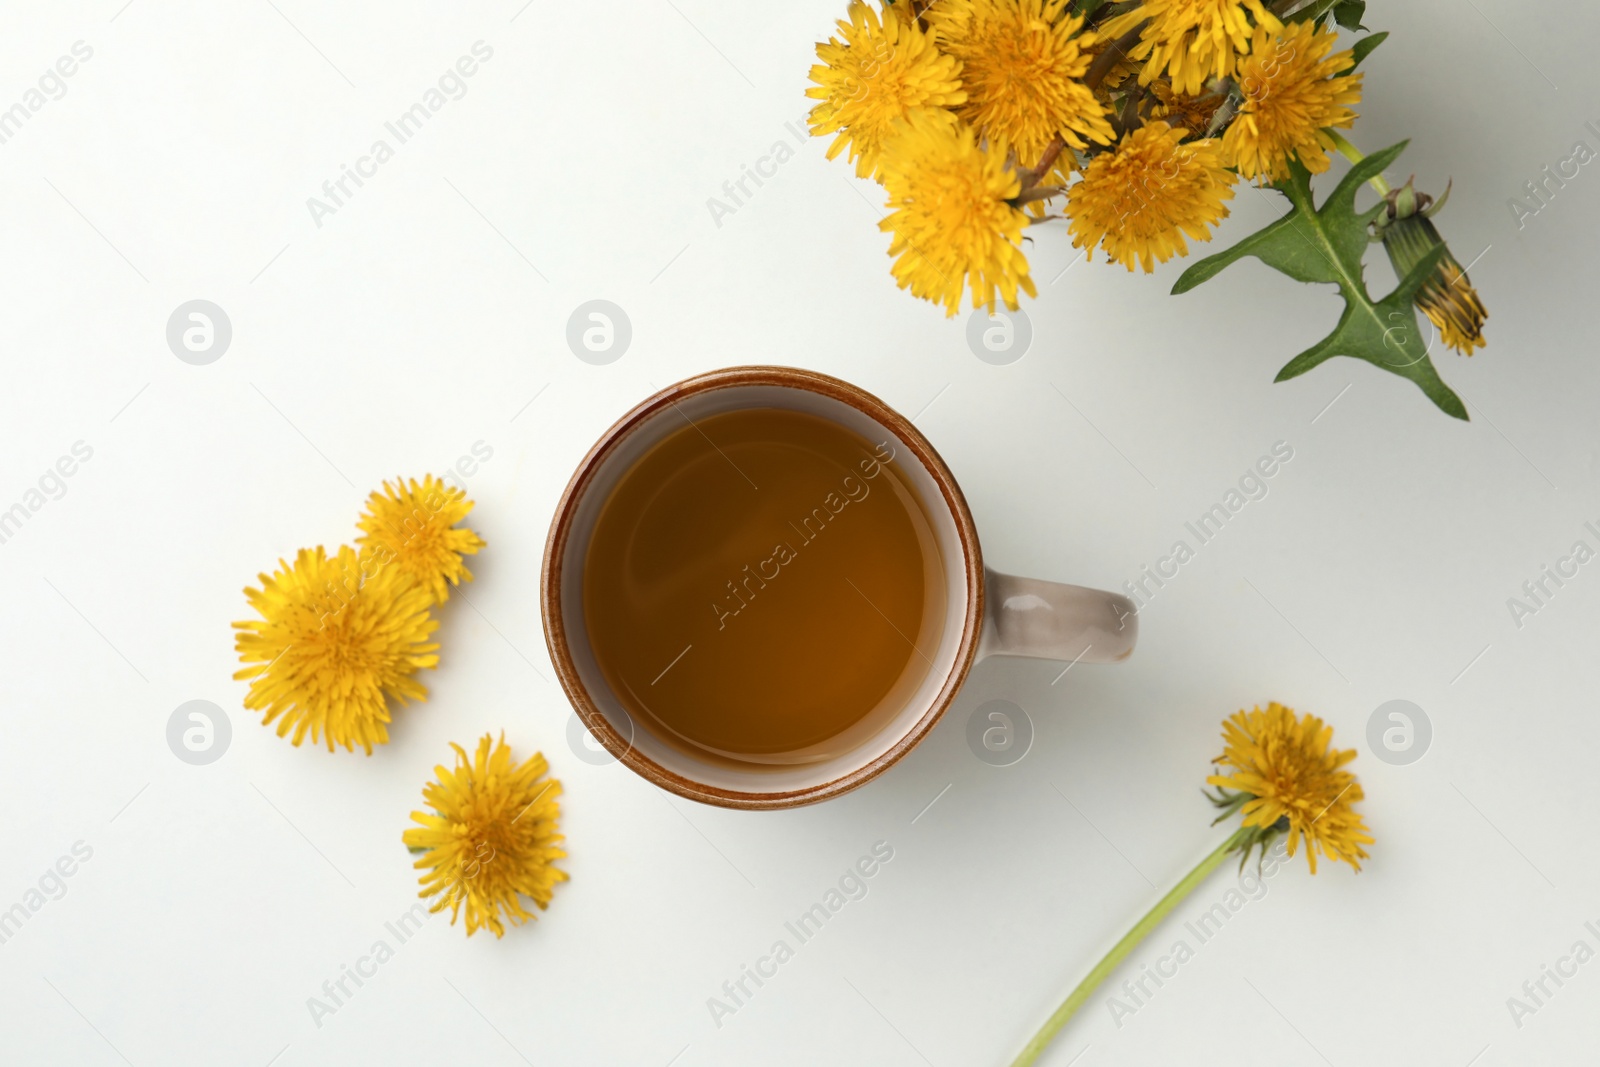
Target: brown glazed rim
[550, 592]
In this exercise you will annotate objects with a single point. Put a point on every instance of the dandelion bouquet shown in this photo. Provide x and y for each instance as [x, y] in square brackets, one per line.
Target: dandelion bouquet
[1134, 123]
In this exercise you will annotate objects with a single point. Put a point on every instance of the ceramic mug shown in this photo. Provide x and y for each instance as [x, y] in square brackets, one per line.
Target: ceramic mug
[987, 613]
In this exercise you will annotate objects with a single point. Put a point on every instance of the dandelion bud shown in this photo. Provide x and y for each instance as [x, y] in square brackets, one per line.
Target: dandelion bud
[1447, 297]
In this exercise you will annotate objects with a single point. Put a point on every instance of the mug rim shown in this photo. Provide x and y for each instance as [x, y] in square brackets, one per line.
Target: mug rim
[556, 544]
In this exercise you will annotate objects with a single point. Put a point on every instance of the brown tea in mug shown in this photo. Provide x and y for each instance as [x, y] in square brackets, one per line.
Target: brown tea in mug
[763, 584]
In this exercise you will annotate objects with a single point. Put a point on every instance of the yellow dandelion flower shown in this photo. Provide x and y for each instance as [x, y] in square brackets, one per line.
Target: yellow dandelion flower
[1192, 41]
[1288, 783]
[949, 215]
[1138, 201]
[490, 837]
[1283, 762]
[885, 69]
[1292, 92]
[412, 525]
[1022, 64]
[333, 644]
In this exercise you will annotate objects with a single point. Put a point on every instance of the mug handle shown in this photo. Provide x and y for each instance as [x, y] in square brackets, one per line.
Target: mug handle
[1050, 620]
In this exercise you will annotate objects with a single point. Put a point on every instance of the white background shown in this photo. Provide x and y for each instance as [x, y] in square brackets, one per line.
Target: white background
[427, 313]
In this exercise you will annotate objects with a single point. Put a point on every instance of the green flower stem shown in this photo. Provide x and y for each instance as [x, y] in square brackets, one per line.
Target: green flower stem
[1120, 950]
[1354, 155]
